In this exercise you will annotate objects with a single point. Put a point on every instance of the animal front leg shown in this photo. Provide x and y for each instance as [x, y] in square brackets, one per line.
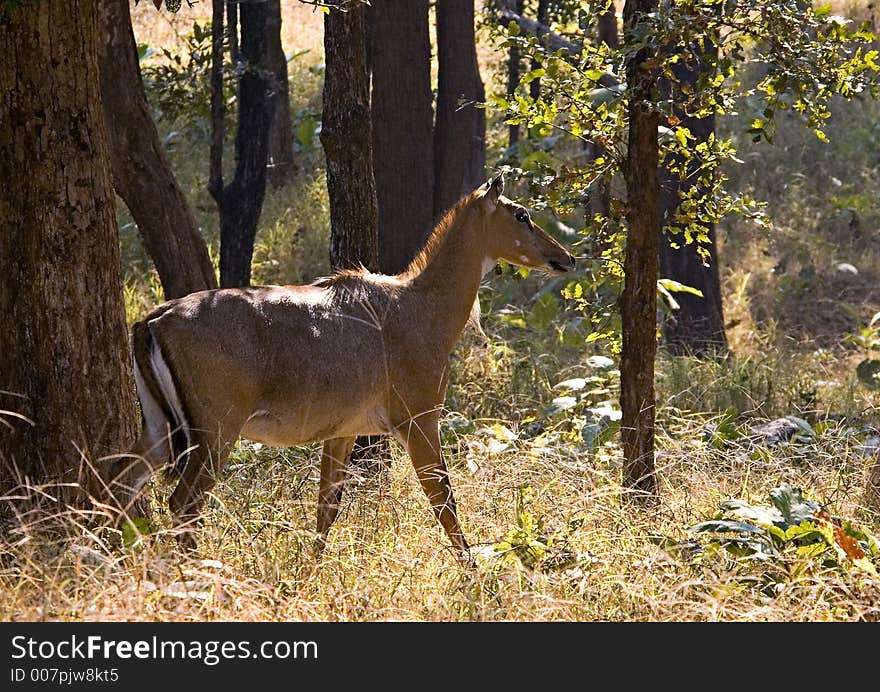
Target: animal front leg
[422, 440]
[334, 460]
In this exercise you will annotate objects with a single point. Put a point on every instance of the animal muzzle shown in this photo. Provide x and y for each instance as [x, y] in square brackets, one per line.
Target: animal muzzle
[562, 266]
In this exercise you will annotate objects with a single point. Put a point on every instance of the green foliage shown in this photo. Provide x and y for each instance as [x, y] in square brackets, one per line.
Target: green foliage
[530, 544]
[867, 338]
[739, 62]
[792, 529]
[178, 85]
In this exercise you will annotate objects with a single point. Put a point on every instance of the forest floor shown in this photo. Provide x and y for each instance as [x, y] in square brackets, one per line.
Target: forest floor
[556, 536]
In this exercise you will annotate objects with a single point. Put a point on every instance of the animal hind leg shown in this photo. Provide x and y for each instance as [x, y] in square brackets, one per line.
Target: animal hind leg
[207, 455]
[126, 474]
[334, 460]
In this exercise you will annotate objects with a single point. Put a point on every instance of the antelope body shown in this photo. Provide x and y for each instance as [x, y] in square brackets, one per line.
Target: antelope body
[354, 354]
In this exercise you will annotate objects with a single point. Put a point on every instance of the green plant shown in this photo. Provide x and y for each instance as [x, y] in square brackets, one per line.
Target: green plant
[530, 544]
[178, 85]
[867, 338]
[791, 530]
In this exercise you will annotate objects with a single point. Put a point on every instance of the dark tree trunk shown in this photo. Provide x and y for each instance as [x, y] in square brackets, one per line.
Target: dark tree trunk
[638, 302]
[543, 18]
[698, 326]
[63, 348]
[600, 198]
[403, 122]
[241, 202]
[346, 138]
[281, 164]
[608, 27]
[459, 131]
[513, 64]
[141, 173]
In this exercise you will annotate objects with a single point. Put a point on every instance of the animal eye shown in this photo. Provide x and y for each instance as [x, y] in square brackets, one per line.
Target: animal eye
[522, 216]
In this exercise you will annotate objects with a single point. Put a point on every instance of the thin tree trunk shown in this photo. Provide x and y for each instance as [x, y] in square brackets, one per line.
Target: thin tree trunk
[697, 327]
[142, 175]
[240, 203]
[513, 64]
[281, 165]
[459, 132]
[346, 137]
[600, 198]
[63, 349]
[543, 18]
[403, 165]
[638, 302]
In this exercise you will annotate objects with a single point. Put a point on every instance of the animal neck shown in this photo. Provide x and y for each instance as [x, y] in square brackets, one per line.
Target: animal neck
[452, 268]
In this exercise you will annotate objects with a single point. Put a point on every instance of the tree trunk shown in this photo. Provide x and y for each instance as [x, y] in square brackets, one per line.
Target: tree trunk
[638, 302]
[346, 138]
[63, 350]
[600, 198]
[513, 61]
[543, 18]
[697, 327]
[141, 173]
[241, 202]
[459, 130]
[281, 164]
[403, 165]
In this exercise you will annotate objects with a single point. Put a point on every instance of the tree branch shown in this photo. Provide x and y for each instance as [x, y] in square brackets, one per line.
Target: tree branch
[550, 39]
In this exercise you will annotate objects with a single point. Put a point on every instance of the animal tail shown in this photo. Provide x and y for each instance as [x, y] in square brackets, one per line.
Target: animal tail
[161, 404]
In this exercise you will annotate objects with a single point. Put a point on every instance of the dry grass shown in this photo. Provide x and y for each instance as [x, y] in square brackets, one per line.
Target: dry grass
[387, 559]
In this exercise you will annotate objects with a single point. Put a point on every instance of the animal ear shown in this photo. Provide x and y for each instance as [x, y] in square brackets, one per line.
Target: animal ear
[493, 189]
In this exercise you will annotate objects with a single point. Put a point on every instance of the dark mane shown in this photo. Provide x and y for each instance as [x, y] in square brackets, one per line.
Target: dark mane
[340, 277]
[352, 278]
[435, 240]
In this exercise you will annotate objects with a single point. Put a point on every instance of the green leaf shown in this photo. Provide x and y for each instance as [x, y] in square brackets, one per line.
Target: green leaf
[559, 405]
[677, 287]
[532, 75]
[725, 526]
[600, 363]
[574, 385]
[597, 434]
[765, 516]
[792, 505]
[803, 426]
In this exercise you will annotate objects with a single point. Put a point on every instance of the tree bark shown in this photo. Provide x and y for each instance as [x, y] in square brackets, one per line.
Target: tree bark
[697, 327]
[600, 199]
[638, 302]
[346, 137]
[142, 175]
[543, 19]
[403, 164]
[63, 350]
[513, 65]
[459, 130]
[240, 203]
[347, 140]
[281, 164]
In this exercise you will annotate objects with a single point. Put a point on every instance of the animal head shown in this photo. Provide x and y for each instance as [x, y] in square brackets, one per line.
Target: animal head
[512, 236]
